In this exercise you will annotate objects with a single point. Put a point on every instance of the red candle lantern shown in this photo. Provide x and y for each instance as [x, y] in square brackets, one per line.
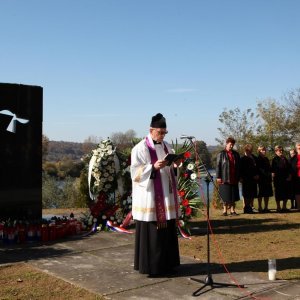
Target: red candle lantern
[78, 227]
[52, 232]
[21, 229]
[45, 233]
[31, 233]
[38, 232]
[73, 227]
[11, 235]
[1, 232]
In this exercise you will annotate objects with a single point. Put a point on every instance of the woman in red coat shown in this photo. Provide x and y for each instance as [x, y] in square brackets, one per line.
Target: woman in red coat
[227, 174]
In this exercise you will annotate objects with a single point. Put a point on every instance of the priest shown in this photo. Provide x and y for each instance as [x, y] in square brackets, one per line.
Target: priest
[155, 206]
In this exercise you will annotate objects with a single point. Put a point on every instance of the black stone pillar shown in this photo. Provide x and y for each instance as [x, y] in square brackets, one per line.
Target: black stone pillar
[21, 117]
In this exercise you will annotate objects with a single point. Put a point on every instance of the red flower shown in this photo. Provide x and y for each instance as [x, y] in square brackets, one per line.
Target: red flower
[187, 154]
[186, 175]
[185, 202]
[188, 211]
[181, 193]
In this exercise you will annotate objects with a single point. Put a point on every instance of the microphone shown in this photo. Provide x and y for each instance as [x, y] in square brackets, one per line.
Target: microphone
[189, 137]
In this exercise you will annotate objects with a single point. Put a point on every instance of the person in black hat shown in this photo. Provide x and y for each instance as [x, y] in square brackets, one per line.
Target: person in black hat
[155, 206]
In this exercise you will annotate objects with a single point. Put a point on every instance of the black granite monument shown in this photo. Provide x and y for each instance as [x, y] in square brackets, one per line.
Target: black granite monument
[21, 116]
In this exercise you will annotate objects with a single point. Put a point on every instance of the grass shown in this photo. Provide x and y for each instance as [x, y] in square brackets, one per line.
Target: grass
[246, 242]
[243, 243]
[22, 281]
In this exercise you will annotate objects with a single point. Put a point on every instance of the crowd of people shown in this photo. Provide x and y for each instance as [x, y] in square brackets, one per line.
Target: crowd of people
[260, 178]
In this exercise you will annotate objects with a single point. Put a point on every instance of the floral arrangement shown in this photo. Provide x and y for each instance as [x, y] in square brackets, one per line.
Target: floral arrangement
[109, 186]
[188, 186]
[103, 168]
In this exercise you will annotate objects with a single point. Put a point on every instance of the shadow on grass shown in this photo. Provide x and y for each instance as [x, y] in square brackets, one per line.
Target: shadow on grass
[241, 225]
[289, 263]
[185, 270]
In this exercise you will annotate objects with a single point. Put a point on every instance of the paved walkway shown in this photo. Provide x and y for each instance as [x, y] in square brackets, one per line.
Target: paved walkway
[102, 263]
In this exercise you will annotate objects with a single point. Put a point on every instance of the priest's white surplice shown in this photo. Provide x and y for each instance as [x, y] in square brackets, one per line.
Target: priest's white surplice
[143, 204]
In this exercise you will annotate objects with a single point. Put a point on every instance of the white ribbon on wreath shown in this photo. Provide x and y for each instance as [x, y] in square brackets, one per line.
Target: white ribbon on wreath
[91, 165]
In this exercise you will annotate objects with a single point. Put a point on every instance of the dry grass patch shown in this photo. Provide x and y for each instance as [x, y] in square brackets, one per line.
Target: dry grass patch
[22, 281]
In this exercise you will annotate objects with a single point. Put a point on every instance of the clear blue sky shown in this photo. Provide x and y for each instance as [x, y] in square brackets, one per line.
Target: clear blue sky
[108, 66]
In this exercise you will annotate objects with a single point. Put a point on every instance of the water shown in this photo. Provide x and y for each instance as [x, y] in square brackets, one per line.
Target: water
[204, 184]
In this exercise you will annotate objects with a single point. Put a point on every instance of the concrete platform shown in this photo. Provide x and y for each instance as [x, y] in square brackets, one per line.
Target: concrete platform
[103, 263]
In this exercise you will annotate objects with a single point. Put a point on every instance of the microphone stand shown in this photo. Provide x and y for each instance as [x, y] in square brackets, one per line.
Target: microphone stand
[208, 279]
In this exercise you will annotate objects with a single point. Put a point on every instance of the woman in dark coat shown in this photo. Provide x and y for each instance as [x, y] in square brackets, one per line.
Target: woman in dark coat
[249, 178]
[295, 164]
[265, 189]
[227, 174]
[281, 173]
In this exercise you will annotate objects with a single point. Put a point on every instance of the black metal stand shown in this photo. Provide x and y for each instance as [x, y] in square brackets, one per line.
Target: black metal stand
[208, 279]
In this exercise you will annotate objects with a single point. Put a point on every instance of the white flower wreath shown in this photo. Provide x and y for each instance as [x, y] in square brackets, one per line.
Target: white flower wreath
[109, 174]
[103, 169]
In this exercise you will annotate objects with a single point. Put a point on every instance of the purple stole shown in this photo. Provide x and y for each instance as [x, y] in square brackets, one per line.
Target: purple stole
[158, 189]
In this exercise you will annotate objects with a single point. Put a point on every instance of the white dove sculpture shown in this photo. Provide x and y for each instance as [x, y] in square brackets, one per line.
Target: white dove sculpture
[12, 125]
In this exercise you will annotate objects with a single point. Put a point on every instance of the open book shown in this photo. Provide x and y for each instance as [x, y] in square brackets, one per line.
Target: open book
[171, 157]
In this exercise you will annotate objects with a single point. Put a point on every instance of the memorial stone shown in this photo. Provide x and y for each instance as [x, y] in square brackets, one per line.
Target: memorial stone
[21, 116]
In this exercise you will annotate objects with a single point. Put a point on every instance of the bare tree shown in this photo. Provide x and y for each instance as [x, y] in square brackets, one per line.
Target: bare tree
[122, 140]
[90, 143]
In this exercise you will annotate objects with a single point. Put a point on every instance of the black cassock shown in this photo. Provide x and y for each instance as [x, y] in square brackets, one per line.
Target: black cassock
[156, 250]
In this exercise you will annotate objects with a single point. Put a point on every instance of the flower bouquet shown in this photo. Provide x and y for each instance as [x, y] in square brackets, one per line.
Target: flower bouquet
[188, 186]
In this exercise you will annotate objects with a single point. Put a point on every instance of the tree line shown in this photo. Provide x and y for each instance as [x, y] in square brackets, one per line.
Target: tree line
[62, 159]
[271, 123]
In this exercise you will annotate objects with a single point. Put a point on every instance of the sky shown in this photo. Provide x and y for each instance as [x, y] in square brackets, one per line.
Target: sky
[109, 66]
